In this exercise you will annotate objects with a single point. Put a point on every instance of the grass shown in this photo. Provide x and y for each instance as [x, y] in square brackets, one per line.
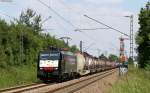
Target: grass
[136, 81]
[15, 76]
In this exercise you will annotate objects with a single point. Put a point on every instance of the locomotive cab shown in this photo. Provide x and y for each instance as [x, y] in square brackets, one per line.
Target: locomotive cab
[56, 65]
[48, 64]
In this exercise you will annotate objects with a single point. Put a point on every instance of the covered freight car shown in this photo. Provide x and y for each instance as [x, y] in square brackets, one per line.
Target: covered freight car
[81, 63]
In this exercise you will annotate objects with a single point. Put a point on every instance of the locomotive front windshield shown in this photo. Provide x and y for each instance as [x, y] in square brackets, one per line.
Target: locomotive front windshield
[50, 56]
[49, 59]
[44, 56]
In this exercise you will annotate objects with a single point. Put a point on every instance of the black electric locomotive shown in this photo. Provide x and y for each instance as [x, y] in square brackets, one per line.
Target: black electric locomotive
[54, 64]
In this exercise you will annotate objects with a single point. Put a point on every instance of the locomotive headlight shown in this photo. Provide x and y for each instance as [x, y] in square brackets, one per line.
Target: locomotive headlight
[56, 68]
[41, 68]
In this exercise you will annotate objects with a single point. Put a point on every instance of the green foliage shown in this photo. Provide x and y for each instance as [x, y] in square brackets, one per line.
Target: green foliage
[21, 40]
[16, 76]
[147, 67]
[20, 43]
[130, 61]
[74, 48]
[136, 81]
[113, 57]
[143, 36]
[29, 18]
[103, 57]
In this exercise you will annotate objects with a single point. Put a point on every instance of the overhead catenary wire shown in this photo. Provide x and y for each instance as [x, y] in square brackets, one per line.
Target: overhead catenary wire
[56, 13]
[89, 46]
[76, 29]
[68, 7]
[90, 29]
[85, 34]
[91, 38]
[70, 23]
[67, 21]
[62, 18]
[62, 2]
[106, 25]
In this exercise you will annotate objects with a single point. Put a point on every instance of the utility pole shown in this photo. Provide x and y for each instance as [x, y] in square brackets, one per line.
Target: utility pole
[81, 44]
[131, 33]
[131, 37]
[21, 46]
[22, 41]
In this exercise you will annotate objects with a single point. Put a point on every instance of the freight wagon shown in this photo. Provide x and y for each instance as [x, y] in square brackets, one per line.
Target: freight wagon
[60, 65]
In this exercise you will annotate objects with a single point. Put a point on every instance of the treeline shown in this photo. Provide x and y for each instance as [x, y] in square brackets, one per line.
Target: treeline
[143, 37]
[22, 39]
[111, 57]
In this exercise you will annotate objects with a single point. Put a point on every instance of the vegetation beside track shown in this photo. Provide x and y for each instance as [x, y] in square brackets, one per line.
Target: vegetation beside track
[20, 42]
[16, 76]
[23, 38]
[143, 37]
[136, 81]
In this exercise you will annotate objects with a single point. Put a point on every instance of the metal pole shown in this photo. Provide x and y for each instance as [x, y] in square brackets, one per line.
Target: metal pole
[131, 37]
[67, 42]
[21, 46]
[81, 44]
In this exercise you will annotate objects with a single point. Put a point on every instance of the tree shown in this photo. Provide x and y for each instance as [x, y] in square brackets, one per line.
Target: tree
[21, 41]
[143, 36]
[31, 19]
[103, 57]
[74, 48]
[112, 57]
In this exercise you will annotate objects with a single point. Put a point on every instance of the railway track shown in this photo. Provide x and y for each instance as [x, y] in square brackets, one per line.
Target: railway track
[20, 89]
[65, 87]
[81, 84]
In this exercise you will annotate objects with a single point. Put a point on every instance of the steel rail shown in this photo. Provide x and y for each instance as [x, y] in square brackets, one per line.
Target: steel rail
[20, 89]
[55, 90]
[77, 89]
[13, 88]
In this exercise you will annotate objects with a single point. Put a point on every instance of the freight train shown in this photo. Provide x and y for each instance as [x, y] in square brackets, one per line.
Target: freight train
[59, 65]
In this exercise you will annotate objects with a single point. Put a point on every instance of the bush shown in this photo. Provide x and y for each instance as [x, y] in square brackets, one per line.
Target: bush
[147, 67]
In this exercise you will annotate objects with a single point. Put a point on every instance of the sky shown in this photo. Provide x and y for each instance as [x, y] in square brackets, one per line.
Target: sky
[110, 12]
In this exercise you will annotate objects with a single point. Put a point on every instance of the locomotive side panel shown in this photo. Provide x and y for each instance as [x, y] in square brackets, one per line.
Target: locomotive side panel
[70, 64]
